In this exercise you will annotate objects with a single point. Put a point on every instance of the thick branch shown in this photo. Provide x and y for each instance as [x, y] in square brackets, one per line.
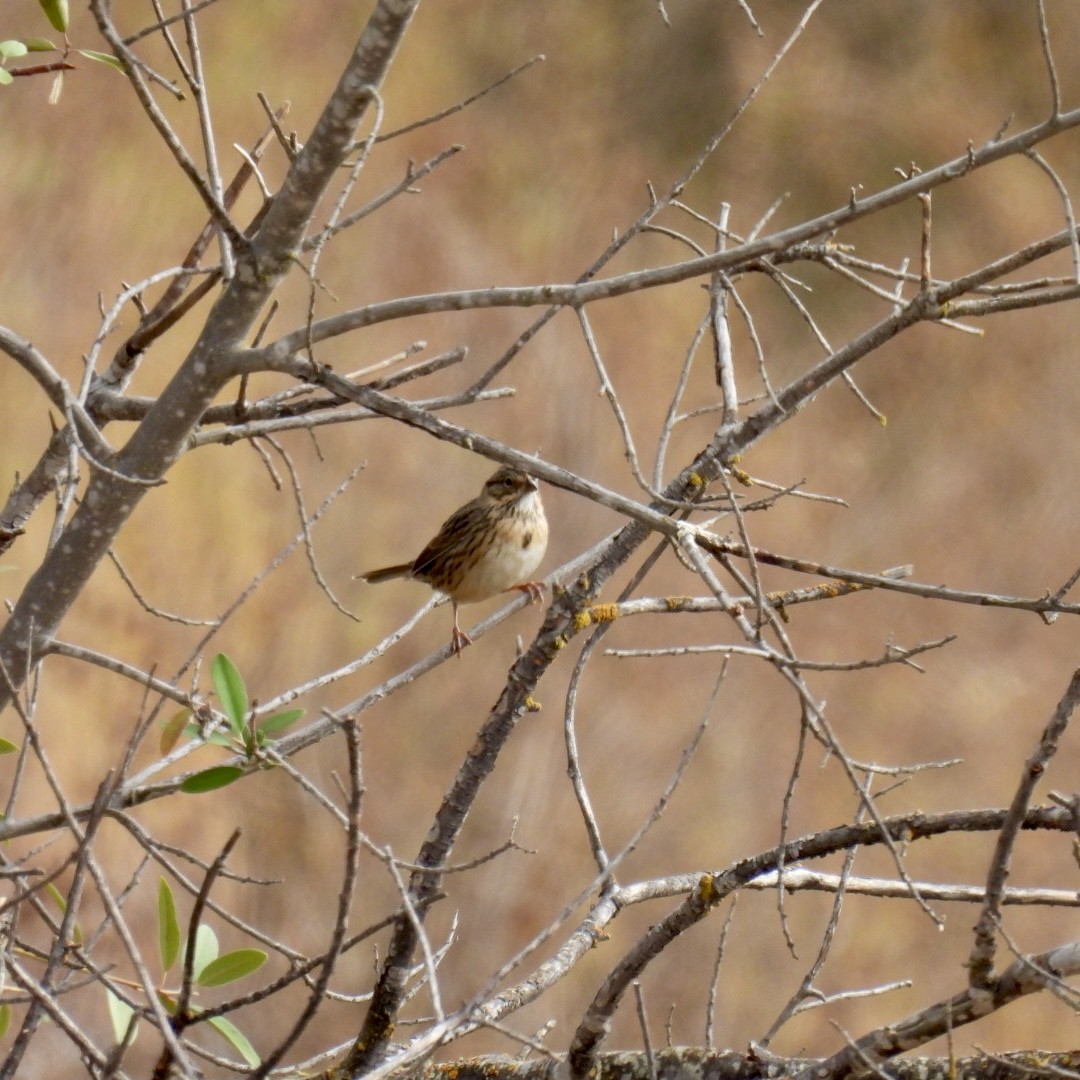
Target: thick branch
[1024, 976]
[693, 1063]
[111, 497]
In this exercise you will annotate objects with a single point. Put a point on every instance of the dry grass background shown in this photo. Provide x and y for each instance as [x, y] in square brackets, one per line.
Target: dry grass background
[973, 479]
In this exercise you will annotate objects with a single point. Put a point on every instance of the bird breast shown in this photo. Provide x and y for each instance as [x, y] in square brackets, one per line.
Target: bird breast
[521, 542]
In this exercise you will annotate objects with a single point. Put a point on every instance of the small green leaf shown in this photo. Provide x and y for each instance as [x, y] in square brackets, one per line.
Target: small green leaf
[102, 58]
[229, 1031]
[230, 967]
[280, 721]
[5, 77]
[38, 44]
[171, 731]
[217, 738]
[206, 948]
[120, 1014]
[168, 926]
[11, 49]
[57, 895]
[211, 779]
[61, 903]
[231, 692]
[56, 11]
[5, 1019]
[7, 747]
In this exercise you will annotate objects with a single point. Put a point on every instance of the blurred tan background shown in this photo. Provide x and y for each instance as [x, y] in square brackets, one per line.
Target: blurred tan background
[973, 480]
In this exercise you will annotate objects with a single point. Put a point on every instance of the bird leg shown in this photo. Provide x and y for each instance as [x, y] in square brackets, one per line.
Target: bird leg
[459, 639]
[533, 589]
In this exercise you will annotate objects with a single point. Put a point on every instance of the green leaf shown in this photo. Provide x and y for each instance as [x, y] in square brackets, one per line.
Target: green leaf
[102, 58]
[61, 902]
[10, 49]
[7, 747]
[231, 692]
[206, 948]
[280, 721]
[37, 44]
[168, 926]
[217, 738]
[56, 11]
[5, 77]
[171, 731]
[230, 967]
[120, 1014]
[211, 779]
[228, 1030]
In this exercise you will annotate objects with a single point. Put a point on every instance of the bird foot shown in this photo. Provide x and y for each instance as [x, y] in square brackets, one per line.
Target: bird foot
[459, 640]
[534, 590]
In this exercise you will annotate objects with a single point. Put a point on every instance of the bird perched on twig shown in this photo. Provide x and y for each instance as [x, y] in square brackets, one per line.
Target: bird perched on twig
[491, 545]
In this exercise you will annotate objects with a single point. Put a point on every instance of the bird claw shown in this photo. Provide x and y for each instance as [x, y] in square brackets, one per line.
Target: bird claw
[459, 640]
[533, 589]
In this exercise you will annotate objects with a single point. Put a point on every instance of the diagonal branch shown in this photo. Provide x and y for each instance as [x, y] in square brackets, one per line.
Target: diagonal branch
[786, 245]
[157, 443]
[981, 960]
[1024, 976]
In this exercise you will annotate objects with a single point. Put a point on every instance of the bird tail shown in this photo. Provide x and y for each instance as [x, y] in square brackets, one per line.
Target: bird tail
[387, 573]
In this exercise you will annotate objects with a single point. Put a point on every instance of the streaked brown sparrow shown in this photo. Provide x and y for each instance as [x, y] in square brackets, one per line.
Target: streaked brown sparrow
[491, 545]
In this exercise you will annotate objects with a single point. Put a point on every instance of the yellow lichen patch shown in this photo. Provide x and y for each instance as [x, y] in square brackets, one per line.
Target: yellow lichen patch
[604, 612]
[531, 704]
[676, 603]
[776, 601]
[582, 619]
[707, 890]
[695, 480]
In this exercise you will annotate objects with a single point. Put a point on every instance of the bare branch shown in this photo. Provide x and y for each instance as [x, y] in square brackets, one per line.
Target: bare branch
[981, 960]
